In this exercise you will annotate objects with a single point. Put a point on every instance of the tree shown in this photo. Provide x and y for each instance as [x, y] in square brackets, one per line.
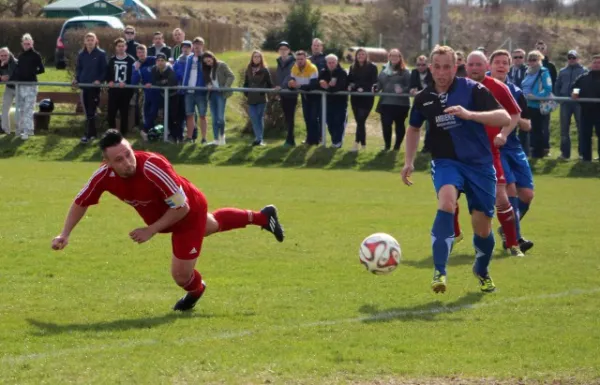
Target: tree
[15, 7]
[302, 24]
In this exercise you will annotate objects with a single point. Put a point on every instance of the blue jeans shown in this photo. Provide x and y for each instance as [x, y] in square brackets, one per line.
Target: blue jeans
[257, 114]
[310, 110]
[567, 110]
[217, 110]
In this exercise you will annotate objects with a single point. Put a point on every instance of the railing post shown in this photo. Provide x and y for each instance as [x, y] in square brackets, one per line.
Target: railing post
[166, 116]
[324, 119]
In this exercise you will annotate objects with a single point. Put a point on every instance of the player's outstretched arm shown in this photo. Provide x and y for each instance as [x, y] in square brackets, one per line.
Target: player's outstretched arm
[75, 214]
[412, 143]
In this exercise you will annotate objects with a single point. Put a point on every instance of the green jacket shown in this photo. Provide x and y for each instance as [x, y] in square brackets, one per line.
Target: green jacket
[224, 76]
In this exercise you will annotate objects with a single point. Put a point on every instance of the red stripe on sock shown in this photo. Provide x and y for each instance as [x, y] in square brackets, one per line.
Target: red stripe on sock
[456, 224]
[232, 218]
[194, 286]
[506, 217]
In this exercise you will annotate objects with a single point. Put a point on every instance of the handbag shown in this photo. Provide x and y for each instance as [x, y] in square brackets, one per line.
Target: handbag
[546, 106]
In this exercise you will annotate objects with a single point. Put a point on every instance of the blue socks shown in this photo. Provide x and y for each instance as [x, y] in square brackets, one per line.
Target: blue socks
[484, 247]
[514, 201]
[523, 208]
[442, 239]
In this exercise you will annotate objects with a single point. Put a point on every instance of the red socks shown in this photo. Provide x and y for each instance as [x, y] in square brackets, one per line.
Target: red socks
[231, 218]
[456, 224]
[194, 285]
[506, 217]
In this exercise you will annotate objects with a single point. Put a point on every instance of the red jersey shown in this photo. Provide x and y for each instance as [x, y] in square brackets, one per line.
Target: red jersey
[502, 93]
[151, 191]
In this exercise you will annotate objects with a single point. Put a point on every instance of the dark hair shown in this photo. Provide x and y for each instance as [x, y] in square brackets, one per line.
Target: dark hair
[301, 53]
[119, 40]
[207, 71]
[110, 138]
[158, 33]
[501, 52]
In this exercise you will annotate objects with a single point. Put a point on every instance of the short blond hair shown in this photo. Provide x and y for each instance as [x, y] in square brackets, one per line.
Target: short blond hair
[443, 50]
[535, 54]
[26, 37]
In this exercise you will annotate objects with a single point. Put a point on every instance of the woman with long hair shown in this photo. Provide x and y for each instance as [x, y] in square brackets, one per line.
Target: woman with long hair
[8, 63]
[257, 76]
[217, 74]
[362, 77]
[394, 79]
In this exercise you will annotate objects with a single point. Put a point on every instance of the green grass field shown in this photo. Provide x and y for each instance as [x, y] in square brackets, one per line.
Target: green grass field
[302, 312]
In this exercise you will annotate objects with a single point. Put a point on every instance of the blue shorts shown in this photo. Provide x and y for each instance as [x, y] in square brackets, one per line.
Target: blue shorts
[516, 168]
[478, 182]
[196, 100]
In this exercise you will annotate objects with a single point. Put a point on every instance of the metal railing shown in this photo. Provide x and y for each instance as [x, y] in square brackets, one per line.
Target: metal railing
[322, 94]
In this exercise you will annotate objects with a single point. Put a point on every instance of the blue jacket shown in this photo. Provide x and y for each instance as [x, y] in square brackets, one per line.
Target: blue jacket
[188, 70]
[566, 78]
[91, 66]
[538, 84]
[179, 67]
[144, 74]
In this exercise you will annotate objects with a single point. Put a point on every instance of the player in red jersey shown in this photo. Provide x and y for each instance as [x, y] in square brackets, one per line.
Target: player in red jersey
[477, 65]
[168, 203]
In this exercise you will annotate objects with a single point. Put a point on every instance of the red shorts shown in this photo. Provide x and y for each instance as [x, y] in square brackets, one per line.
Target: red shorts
[500, 179]
[187, 243]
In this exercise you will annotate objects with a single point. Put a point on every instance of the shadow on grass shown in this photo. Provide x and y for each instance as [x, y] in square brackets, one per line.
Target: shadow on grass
[296, 158]
[9, 144]
[425, 312]
[459, 259]
[273, 156]
[321, 157]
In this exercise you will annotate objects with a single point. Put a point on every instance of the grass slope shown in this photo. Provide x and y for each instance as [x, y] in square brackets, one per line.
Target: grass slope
[303, 311]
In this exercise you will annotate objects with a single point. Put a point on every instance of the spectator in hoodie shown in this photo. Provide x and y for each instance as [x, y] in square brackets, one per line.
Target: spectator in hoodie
[119, 73]
[285, 62]
[91, 69]
[334, 79]
[394, 78]
[142, 73]
[195, 100]
[257, 76]
[159, 46]
[132, 44]
[163, 75]
[588, 86]
[543, 48]
[179, 67]
[538, 83]
[178, 38]
[461, 70]
[8, 63]
[305, 76]
[518, 69]
[564, 87]
[362, 77]
[29, 66]
[217, 74]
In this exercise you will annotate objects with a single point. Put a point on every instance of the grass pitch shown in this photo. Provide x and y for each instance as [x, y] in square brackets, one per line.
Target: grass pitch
[304, 311]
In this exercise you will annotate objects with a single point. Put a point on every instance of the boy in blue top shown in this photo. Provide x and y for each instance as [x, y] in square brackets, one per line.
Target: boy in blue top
[519, 179]
[91, 69]
[457, 110]
[142, 72]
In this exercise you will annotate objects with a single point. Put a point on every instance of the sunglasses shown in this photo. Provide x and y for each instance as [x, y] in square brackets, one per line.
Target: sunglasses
[571, 57]
[517, 57]
[129, 33]
[532, 60]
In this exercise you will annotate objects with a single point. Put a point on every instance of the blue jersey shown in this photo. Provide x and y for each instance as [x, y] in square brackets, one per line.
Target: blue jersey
[513, 142]
[451, 137]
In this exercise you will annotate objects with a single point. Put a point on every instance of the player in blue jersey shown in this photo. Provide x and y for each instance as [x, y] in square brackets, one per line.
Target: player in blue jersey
[457, 110]
[519, 179]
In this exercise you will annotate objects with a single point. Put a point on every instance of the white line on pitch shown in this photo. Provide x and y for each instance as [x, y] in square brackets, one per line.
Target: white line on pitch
[231, 335]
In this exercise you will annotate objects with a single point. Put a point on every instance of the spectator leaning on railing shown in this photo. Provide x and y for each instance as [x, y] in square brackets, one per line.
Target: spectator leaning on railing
[588, 86]
[8, 63]
[305, 76]
[257, 76]
[285, 62]
[118, 74]
[142, 73]
[537, 83]
[362, 77]
[564, 87]
[217, 74]
[394, 78]
[163, 75]
[29, 65]
[334, 79]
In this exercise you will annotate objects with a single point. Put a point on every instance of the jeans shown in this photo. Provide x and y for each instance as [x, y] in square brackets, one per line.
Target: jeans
[336, 121]
[257, 115]
[288, 105]
[217, 110]
[310, 110]
[567, 110]
[537, 132]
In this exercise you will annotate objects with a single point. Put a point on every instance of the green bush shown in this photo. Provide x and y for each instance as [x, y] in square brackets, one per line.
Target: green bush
[44, 33]
[301, 25]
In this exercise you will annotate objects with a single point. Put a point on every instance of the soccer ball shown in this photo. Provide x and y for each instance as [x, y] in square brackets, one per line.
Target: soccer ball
[380, 253]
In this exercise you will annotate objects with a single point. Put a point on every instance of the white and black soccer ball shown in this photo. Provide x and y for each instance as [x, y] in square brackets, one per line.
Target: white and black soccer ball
[380, 253]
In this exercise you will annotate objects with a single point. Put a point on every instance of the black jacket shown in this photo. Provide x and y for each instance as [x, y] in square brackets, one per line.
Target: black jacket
[29, 66]
[589, 86]
[132, 48]
[415, 79]
[341, 84]
[165, 49]
[261, 79]
[9, 68]
[166, 78]
[364, 78]
[461, 71]
[551, 68]
[319, 61]
[120, 70]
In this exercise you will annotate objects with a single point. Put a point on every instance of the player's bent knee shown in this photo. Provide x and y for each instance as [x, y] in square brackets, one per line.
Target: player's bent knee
[526, 195]
[212, 226]
[482, 224]
[447, 197]
[182, 270]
